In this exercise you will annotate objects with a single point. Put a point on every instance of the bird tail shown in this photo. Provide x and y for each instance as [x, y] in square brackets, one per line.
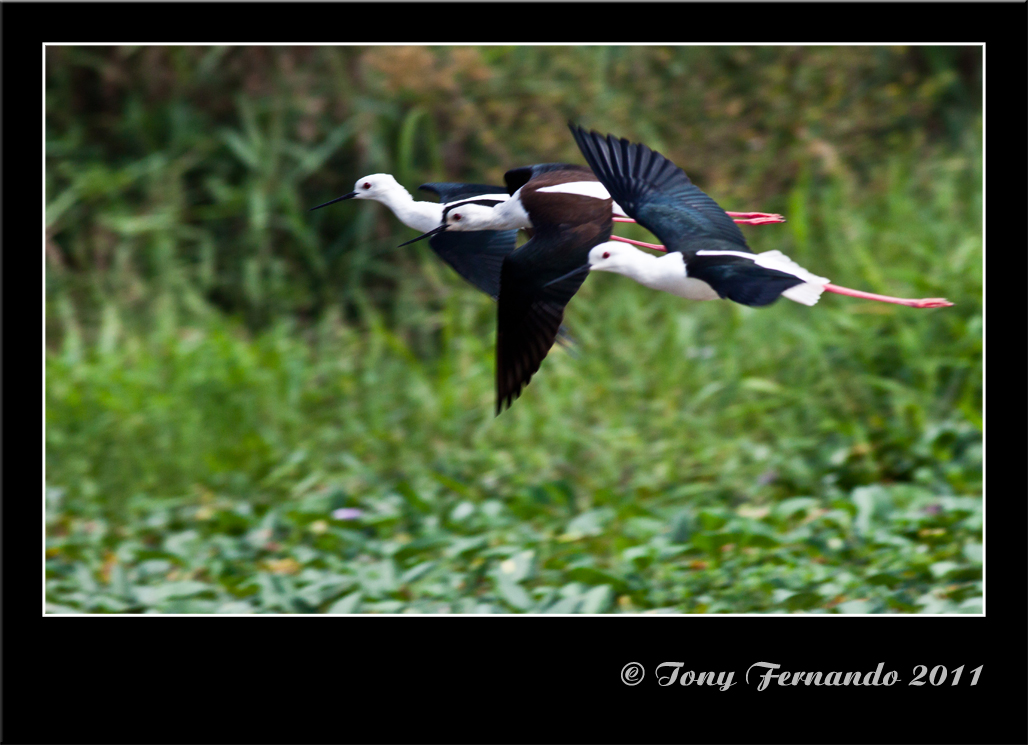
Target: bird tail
[807, 293]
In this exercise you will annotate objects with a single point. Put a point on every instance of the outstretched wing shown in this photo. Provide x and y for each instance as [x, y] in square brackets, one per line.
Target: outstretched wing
[452, 192]
[655, 192]
[527, 325]
[536, 283]
[477, 256]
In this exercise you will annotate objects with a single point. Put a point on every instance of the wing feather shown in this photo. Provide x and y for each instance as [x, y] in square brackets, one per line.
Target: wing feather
[477, 256]
[655, 192]
[453, 192]
[528, 322]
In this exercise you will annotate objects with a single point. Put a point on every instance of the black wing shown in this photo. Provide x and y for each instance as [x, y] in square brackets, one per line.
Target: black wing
[536, 282]
[452, 192]
[656, 193]
[518, 177]
[527, 325]
[740, 279]
[477, 257]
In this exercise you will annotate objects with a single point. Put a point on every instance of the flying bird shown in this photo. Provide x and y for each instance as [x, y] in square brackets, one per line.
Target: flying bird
[707, 255]
[567, 211]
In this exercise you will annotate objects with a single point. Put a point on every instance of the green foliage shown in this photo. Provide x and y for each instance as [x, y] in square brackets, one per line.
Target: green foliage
[226, 372]
[428, 550]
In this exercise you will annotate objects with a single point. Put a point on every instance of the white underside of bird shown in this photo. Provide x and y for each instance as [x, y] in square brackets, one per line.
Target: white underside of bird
[807, 293]
[669, 273]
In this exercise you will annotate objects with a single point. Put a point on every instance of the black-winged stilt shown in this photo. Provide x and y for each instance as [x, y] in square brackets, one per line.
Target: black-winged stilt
[568, 212]
[707, 254]
[477, 257]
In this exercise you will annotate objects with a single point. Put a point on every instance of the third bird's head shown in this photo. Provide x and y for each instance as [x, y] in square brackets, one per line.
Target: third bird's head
[613, 256]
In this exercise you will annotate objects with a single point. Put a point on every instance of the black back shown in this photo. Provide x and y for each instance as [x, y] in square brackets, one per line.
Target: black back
[518, 177]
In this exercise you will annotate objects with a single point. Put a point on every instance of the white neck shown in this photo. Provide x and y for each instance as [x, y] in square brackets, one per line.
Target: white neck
[423, 216]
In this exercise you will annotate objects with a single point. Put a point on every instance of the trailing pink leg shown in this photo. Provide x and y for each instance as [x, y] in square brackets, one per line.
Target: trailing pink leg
[655, 246]
[765, 216]
[929, 302]
[765, 220]
[744, 218]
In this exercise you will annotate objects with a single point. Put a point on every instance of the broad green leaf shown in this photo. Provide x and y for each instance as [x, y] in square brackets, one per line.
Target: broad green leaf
[597, 600]
[346, 604]
[511, 592]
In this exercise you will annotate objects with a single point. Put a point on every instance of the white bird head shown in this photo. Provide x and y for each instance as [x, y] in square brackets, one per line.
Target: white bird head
[468, 216]
[377, 186]
[374, 186]
[613, 256]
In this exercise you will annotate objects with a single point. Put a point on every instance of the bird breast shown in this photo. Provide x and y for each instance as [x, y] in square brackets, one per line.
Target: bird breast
[672, 277]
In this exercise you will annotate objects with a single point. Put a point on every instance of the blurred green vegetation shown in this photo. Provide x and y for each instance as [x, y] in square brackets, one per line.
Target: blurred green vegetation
[226, 370]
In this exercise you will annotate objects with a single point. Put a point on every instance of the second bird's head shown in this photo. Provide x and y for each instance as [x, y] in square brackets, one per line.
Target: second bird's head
[469, 215]
[463, 217]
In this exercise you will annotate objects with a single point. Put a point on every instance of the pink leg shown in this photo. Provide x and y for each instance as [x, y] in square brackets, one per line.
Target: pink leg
[760, 220]
[930, 302]
[770, 217]
[745, 218]
[655, 246]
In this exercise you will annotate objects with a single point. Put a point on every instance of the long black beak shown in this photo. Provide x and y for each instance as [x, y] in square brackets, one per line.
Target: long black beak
[580, 270]
[351, 195]
[422, 237]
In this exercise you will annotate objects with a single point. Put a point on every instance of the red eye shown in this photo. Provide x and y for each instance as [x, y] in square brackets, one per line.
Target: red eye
[457, 217]
[367, 184]
[606, 254]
